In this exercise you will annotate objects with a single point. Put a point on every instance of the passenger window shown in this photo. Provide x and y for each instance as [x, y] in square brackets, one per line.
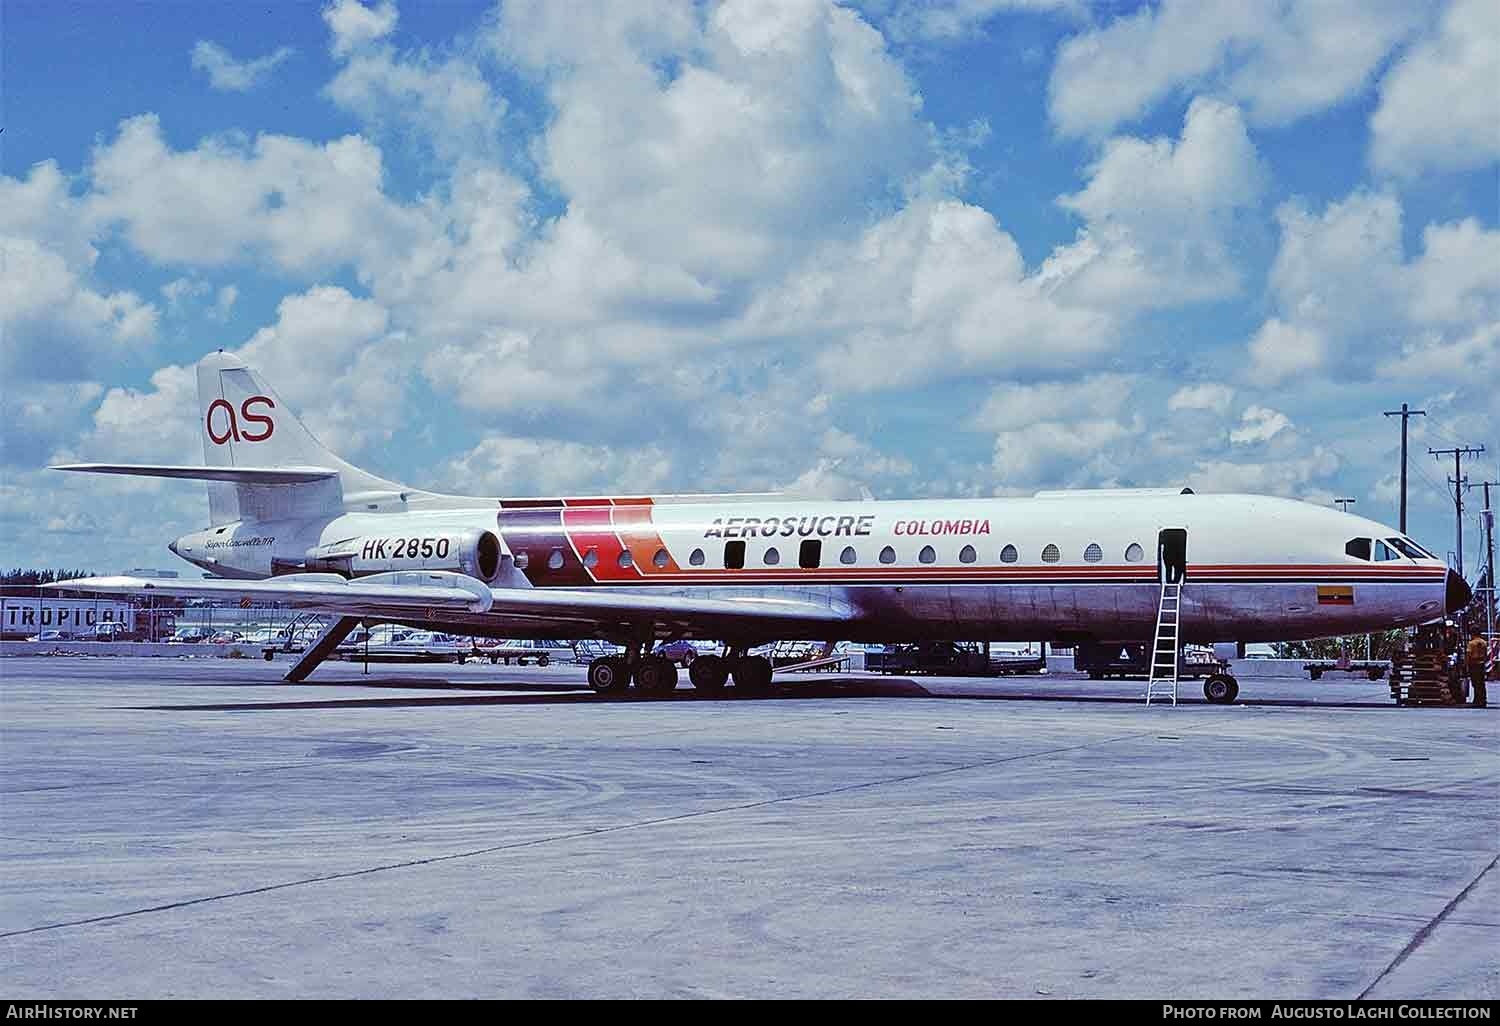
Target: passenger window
[1134, 553]
[772, 556]
[1359, 548]
[928, 554]
[696, 559]
[1009, 554]
[1051, 554]
[887, 555]
[967, 554]
[810, 554]
[661, 559]
[848, 557]
[555, 561]
[591, 558]
[1093, 554]
[1384, 553]
[626, 560]
[734, 555]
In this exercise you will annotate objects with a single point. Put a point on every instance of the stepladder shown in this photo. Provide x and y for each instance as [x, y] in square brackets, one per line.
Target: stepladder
[1162, 681]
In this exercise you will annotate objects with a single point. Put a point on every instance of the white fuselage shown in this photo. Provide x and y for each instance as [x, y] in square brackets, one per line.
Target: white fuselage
[1061, 566]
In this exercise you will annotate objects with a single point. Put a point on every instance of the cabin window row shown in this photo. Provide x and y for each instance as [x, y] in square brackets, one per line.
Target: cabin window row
[810, 556]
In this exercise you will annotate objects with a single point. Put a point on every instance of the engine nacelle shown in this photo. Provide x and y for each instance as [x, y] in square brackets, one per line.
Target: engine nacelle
[476, 553]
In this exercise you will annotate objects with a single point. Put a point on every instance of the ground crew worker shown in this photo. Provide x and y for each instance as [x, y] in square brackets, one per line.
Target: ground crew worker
[1476, 656]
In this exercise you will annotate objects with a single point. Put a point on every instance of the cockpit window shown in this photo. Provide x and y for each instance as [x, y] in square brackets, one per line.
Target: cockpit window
[1409, 548]
[1359, 548]
[1384, 553]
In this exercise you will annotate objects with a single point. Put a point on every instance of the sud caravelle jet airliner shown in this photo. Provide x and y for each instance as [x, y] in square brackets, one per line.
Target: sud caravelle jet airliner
[291, 523]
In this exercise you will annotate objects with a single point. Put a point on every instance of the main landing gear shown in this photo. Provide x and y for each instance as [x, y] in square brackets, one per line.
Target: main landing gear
[657, 675]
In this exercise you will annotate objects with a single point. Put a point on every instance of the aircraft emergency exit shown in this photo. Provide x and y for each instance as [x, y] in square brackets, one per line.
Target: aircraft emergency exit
[291, 523]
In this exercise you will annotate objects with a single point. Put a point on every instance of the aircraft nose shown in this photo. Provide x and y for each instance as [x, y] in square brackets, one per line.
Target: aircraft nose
[172, 547]
[1458, 593]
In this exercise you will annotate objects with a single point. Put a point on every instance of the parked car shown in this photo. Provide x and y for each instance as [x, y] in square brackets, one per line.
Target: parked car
[189, 636]
[51, 636]
[681, 652]
[542, 652]
[430, 645]
[224, 638]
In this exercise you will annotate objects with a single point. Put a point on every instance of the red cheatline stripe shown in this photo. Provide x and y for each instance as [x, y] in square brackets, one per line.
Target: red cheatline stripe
[633, 523]
[589, 527]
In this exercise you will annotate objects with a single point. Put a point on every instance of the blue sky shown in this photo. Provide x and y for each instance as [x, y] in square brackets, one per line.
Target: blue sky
[952, 247]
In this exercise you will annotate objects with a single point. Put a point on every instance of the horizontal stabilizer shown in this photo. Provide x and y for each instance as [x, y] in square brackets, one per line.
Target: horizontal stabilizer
[238, 475]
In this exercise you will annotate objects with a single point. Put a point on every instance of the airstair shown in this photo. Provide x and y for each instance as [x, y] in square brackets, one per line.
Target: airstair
[1162, 683]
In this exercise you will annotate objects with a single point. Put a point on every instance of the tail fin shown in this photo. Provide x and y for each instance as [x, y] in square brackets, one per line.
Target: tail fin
[246, 424]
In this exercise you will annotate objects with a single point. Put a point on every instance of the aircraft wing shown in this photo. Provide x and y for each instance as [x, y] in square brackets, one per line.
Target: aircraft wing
[440, 595]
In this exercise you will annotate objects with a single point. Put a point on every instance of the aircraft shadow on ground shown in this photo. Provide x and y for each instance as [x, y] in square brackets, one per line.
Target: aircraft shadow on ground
[548, 694]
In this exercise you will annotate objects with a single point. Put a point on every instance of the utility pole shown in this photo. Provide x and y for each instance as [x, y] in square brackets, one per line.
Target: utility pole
[1405, 413]
[1459, 484]
[1489, 559]
[1344, 504]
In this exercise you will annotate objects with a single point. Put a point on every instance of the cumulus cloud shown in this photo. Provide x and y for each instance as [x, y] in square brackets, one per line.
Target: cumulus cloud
[306, 207]
[1160, 216]
[1259, 424]
[542, 466]
[47, 311]
[948, 20]
[355, 25]
[1215, 398]
[227, 74]
[1348, 300]
[446, 102]
[794, 109]
[1281, 61]
[1437, 104]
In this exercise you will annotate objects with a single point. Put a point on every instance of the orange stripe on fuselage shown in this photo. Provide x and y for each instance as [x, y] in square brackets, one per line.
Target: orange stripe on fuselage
[632, 521]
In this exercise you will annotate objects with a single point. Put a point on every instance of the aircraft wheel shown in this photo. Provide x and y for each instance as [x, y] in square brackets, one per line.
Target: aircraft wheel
[656, 675]
[1221, 689]
[752, 675]
[609, 675]
[709, 674]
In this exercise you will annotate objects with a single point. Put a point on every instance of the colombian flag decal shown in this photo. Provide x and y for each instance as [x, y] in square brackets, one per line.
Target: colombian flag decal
[1335, 594]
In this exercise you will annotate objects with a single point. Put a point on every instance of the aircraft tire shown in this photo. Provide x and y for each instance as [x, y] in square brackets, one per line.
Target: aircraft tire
[708, 674]
[752, 675]
[609, 675]
[656, 676]
[1221, 689]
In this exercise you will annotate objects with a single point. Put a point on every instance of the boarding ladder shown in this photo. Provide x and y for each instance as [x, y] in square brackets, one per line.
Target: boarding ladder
[1163, 679]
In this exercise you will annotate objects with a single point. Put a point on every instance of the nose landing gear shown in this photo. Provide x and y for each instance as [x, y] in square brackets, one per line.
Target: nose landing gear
[1221, 688]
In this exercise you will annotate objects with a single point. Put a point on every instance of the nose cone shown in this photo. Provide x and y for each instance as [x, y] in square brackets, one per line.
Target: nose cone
[1458, 594]
[172, 547]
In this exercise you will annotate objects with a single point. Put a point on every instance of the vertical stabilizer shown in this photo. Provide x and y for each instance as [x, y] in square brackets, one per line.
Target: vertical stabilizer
[244, 423]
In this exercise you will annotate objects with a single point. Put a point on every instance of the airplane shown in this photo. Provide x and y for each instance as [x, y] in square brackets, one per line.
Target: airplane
[291, 523]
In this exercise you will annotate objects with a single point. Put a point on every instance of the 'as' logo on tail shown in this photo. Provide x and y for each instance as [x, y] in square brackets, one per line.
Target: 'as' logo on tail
[229, 423]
